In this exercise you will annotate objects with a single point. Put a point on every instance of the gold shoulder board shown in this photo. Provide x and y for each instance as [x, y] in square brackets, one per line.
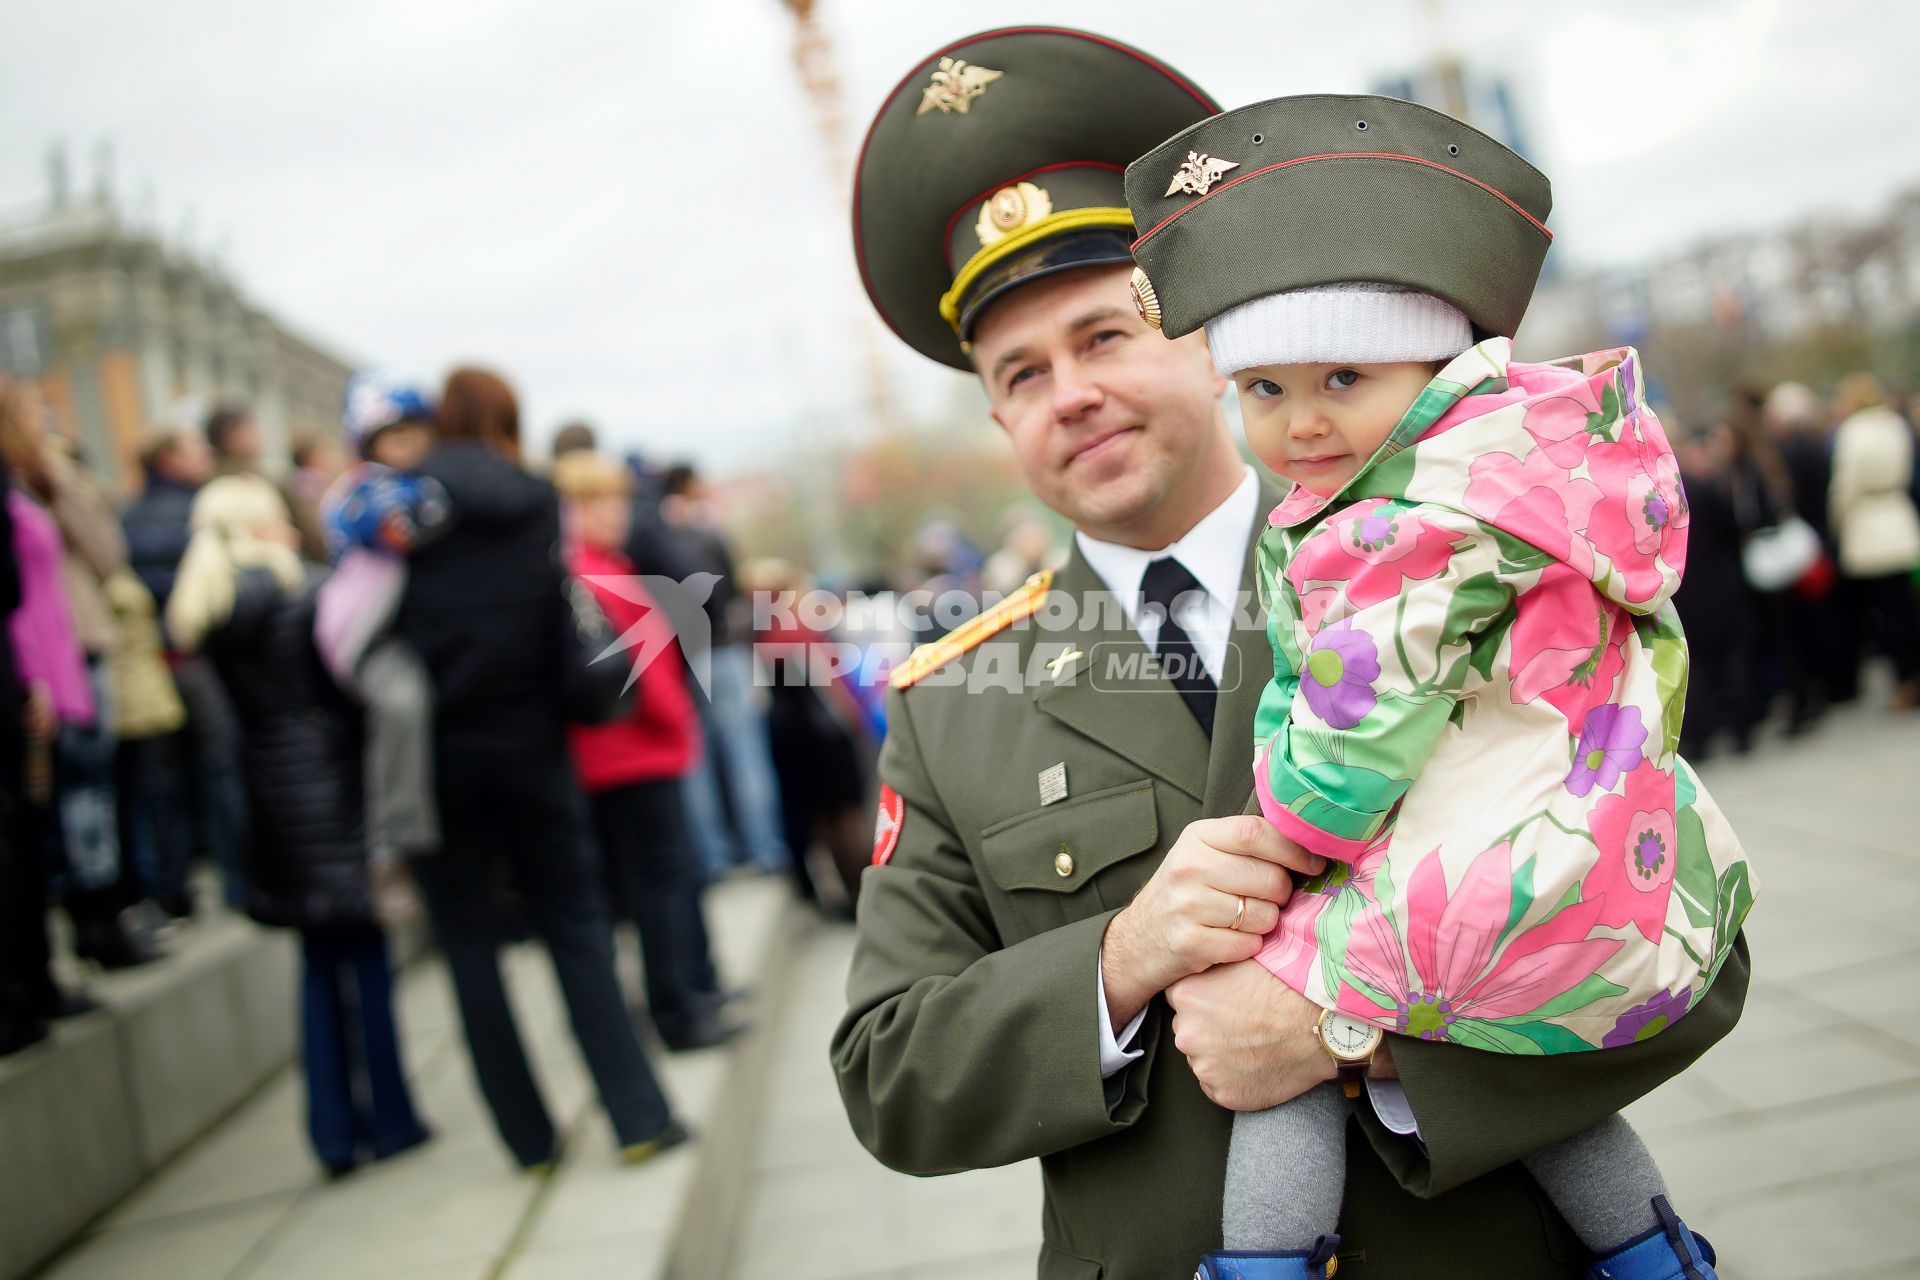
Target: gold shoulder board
[935, 654]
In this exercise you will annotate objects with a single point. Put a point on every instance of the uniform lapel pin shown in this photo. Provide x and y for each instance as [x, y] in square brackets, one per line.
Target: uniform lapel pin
[1053, 783]
[1066, 655]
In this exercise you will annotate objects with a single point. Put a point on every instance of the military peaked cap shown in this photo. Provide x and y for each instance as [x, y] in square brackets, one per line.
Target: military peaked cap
[998, 160]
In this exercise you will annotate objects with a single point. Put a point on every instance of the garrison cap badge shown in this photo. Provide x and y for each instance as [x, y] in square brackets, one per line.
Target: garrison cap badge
[999, 160]
[1331, 189]
[1199, 172]
[955, 85]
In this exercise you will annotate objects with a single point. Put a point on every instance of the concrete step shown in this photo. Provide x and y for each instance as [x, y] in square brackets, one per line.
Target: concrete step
[89, 1114]
[247, 1201]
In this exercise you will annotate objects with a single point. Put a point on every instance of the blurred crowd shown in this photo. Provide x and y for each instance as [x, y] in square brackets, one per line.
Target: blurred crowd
[372, 689]
[375, 687]
[1802, 556]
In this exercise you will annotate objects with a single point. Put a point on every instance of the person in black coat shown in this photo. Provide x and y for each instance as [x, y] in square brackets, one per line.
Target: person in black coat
[244, 599]
[202, 761]
[485, 611]
[1715, 604]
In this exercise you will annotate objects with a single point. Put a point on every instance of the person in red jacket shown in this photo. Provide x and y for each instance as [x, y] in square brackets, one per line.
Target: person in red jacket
[631, 768]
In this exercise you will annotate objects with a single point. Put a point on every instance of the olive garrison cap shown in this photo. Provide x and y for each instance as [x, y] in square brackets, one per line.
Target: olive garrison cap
[1324, 189]
[997, 160]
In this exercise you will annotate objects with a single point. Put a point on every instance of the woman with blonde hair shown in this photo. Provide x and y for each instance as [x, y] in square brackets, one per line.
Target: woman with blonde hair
[1875, 524]
[245, 598]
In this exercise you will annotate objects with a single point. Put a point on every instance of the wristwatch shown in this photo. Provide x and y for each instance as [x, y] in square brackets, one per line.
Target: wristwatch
[1351, 1044]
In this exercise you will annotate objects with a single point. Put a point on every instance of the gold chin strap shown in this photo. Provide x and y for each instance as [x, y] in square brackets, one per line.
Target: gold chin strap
[1032, 233]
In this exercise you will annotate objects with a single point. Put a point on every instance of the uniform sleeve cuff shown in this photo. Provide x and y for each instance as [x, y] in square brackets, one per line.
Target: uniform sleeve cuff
[1116, 1052]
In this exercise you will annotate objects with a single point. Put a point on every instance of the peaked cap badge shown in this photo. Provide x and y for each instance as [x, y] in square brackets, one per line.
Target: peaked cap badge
[1009, 209]
[1199, 173]
[955, 85]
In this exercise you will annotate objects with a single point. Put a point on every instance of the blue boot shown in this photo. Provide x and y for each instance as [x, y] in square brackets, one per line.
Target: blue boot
[1668, 1252]
[1313, 1264]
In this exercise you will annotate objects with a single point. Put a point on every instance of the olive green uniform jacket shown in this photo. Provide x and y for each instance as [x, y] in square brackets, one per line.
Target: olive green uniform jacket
[971, 1038]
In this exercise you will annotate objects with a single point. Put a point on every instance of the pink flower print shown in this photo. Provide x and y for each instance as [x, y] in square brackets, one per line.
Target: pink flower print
[1560, 424]
[1643, 515]
[1341, 666]
[1610, 743]
[1314, 603]
[1638, 842]
[1564, 649]
[1458, 963]
[1536, 501]
[1646, 1020]
[1375, 549]
[1289, 952]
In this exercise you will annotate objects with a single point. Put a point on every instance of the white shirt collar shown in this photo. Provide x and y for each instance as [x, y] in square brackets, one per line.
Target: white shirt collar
[1214, 551]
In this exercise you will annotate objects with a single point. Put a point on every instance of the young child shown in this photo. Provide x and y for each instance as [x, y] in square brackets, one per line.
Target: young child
[374, 515]
[1478, 680]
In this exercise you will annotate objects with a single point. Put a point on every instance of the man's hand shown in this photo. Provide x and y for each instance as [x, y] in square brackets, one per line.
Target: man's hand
[1183, 921]
[1248, 1036]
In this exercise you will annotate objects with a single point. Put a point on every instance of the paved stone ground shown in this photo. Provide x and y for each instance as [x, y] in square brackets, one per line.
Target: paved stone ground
[247, 1202]
[1794, 1145]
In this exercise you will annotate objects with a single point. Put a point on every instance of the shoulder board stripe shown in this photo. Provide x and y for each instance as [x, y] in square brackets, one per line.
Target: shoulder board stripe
[935, 654]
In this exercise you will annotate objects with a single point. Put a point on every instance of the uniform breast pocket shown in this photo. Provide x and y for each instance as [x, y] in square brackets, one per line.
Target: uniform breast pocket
[1062, 863]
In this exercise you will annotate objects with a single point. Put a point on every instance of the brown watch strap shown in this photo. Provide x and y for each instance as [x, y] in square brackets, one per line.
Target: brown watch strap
[1350, 1074]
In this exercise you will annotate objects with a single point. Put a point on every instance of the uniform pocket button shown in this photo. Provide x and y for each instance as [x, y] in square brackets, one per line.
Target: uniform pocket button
[1063, 862]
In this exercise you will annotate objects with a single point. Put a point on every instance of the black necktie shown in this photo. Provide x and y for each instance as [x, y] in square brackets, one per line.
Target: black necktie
[1167, 580]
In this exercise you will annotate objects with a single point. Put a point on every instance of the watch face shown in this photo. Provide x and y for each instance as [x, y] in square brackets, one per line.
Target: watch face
[1349, 1037]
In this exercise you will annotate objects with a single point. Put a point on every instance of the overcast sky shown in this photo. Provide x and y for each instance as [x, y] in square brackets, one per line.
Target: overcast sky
[625, 206]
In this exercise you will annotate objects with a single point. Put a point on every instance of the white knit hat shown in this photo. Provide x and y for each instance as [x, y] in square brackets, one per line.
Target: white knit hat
[1362, 322]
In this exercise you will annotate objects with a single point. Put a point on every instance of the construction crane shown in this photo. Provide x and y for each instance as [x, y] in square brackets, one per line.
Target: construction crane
[813, 57]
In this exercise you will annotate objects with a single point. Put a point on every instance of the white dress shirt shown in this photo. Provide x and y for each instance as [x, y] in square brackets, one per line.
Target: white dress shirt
[1213, 551]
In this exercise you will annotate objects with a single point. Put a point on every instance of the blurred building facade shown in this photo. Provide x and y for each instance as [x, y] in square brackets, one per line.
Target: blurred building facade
[122, 331]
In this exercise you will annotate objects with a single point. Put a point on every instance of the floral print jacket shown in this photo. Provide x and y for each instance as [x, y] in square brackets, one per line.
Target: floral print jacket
[1477, 694]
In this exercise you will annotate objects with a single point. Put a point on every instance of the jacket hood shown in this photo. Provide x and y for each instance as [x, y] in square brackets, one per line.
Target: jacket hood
[1565, 457]
[485, 488]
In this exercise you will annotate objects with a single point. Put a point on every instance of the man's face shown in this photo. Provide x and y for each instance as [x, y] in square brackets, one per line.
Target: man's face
[243, 441]
[190, 462]
[1113, 425]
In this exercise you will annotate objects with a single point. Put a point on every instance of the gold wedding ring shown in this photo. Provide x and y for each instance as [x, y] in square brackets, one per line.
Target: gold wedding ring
[1239, 914]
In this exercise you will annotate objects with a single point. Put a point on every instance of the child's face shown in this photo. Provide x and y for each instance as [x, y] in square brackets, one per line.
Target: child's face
[402, 445]
[1317, 424]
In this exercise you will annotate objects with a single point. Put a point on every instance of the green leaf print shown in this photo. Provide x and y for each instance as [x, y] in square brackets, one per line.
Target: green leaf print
[1550, 1036]
[1593, 988]
[1522, 897]
[1477, 1033]
[1600, 425]
[1693, 870]
[1735, 900]
[1389, 478]
[1487, 645]
[1335, 925]
[1667, 651]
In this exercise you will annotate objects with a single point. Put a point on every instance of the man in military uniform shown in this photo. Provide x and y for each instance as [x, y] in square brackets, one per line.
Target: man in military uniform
[1054, 945]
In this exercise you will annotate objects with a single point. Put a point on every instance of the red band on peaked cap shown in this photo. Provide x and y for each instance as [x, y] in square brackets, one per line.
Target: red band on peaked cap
[1490, 189]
